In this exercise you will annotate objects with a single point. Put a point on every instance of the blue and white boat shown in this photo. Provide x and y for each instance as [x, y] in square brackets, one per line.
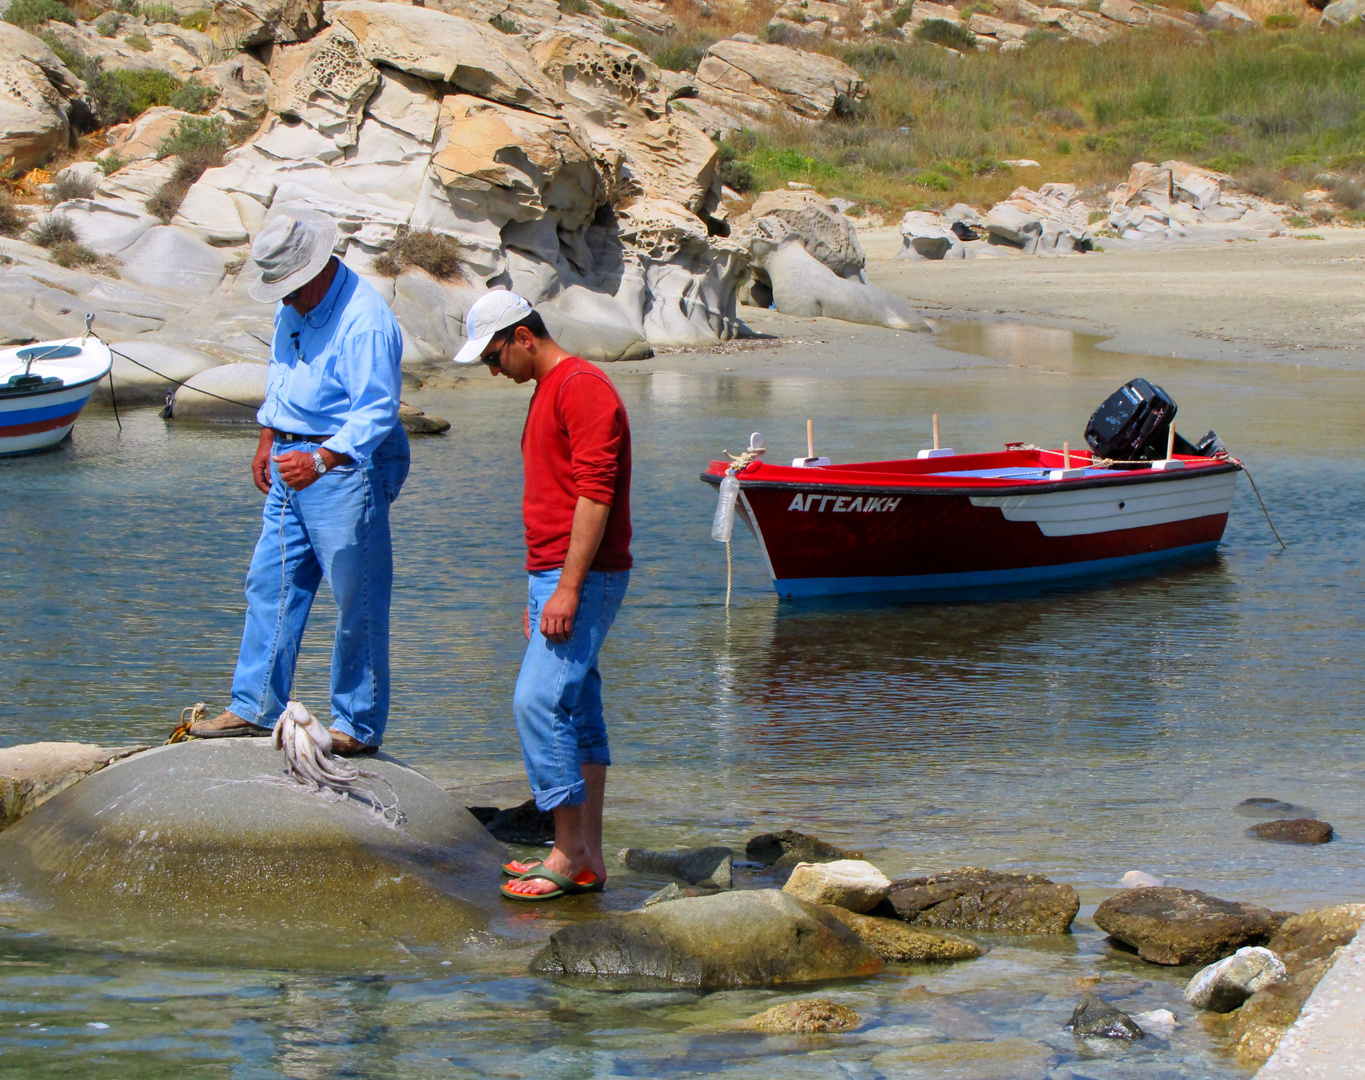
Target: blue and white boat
[44, 387]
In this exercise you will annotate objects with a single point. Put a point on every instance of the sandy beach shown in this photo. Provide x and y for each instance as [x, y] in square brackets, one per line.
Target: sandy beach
[1287, 299]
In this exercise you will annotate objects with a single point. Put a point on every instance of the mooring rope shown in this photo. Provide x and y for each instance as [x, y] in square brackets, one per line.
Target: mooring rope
[178, 383]
[1254, 488]
[738, 463]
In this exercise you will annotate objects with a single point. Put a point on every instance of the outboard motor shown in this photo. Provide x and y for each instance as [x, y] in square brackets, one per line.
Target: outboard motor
[1134, 424]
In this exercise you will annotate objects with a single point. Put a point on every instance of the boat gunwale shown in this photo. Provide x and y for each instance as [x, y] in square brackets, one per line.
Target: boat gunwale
[44, 391]
[987, 489]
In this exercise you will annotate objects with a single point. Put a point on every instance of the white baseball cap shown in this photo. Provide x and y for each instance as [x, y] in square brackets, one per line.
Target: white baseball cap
[493, 311]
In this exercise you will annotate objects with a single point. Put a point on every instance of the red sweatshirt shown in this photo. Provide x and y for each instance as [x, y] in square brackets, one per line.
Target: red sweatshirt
[576, 442]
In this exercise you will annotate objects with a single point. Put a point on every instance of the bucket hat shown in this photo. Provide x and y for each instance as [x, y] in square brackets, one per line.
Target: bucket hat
[493, 311]
[291, 251]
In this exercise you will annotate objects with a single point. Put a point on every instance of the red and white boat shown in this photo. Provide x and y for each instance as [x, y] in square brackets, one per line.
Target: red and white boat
[946, 521]
[43, 389]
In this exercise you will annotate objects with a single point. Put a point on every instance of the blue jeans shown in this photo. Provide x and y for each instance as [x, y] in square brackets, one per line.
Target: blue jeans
[338, 528]
[558, 701]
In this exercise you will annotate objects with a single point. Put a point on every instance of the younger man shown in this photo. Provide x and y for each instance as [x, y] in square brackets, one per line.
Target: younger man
[576, 507]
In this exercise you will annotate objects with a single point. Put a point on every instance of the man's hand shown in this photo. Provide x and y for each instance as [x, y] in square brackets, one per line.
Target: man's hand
[298, 470]
[260, 464]
[556, 618]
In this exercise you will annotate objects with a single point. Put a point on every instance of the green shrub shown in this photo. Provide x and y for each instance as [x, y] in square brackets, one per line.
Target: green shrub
[52, 230]
[12, 222]
[1347, 193]
[138, 42]
[436, 253]
[107, 24]
[612, 11]
[631, 40]
[159, 13]
[201, 136]
[111, 164]
[69, 185]
[1194, 7]
[933, 180]
[193, 97]
[950, 35]
[503, 25]
[1268, 185]
[146, 88]
[574, 7]
[72, 58]
[849, 108]
[70, 254]
[196, 20]
[1280, 21]
[737, 175]
[902, 14]
[33, 13]
[681, 57]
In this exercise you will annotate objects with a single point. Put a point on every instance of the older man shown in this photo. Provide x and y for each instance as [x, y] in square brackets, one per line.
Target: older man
[331, 458]
[576, 505]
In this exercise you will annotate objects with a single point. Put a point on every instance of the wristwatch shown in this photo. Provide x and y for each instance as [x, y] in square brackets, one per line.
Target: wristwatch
[319, 466]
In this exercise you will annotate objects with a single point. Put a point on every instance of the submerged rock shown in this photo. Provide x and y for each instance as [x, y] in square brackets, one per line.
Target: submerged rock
[811, 1016]
[1160, 1022]
[1293, 831]
[417, 422]
[1223, 986]
[1183, 926]
[1096, 1018]
[674, 891]
[898, 943]
[208, 844]
[754, 938]
[974, 898]
[522, 824]
[1138, 879]
[711, 866]
[787, 848]
[849, 883]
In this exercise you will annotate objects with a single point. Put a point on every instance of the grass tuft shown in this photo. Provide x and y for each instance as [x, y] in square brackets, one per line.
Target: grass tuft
[196, 20]
[12, 222]
[950, 35]
[503, 25]
[436, 253]
[69, 185]
[111, 164]
[139, 42]
[54, 229]
[70, 254]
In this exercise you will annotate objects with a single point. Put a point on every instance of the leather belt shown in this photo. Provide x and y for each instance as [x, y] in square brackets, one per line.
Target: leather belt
[289, 436]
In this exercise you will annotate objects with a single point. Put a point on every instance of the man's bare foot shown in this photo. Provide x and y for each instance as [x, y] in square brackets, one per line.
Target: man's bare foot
[226, 725]
[345, 746]
[531, 885]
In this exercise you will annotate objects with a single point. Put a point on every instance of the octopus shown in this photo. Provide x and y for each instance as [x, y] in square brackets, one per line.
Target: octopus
[309, 761]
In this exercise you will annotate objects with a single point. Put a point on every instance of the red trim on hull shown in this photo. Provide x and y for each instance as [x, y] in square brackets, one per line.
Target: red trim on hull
[41, 425]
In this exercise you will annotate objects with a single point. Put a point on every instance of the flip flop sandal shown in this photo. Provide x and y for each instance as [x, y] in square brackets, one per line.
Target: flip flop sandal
[567, 886]
[530, 864]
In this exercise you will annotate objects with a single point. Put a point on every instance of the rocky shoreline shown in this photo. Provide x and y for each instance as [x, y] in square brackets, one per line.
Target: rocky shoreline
[794, 910]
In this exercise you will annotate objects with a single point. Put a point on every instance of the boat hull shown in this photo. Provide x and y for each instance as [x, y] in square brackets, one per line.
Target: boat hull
[827, 539]
[38, 418]
[42, 421]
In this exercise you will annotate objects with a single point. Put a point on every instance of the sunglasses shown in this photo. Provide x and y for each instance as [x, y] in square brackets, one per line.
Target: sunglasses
[494, 359]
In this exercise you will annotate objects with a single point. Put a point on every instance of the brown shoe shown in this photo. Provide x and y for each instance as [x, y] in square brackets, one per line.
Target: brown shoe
[226, 725]
[345, 746]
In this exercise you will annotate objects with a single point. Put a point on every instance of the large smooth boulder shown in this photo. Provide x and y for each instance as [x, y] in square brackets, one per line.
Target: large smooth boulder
[1343, 13]
[925, 235]
[1051, 219]
[973, 898]
[173, 259]
[823, 231]
[765, 79]
[140, 139]
[170, 364]
[433, 45]
[33, 108]
[208, 843]
[802, 285]
[1223, 986]
[35, 772]
[229, 393]
[1183, 926]
[1307, 944]
[107, 227]
[732, 939]
[593, 325]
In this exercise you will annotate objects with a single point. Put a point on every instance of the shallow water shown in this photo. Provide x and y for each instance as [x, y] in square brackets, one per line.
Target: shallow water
[1078, 732]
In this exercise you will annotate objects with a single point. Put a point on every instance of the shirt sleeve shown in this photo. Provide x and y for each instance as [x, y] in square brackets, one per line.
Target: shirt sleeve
[368, 367]
[590, 413]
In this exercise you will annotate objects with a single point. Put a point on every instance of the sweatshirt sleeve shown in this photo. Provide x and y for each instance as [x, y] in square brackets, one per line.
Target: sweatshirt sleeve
[591, 414]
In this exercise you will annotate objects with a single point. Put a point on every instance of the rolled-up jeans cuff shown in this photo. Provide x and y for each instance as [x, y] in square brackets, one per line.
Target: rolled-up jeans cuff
[593, 756]
[573, 795]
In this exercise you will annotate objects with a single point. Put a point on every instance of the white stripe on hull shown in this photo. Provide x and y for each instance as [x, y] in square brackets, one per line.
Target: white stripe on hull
[75, 396]
[1096, 509]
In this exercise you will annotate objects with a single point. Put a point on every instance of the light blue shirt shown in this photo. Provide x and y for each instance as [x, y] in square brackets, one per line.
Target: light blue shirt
[335, 371]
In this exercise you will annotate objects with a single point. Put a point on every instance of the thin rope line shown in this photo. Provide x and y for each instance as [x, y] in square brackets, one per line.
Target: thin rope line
[179, 382]
[1254, 488]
